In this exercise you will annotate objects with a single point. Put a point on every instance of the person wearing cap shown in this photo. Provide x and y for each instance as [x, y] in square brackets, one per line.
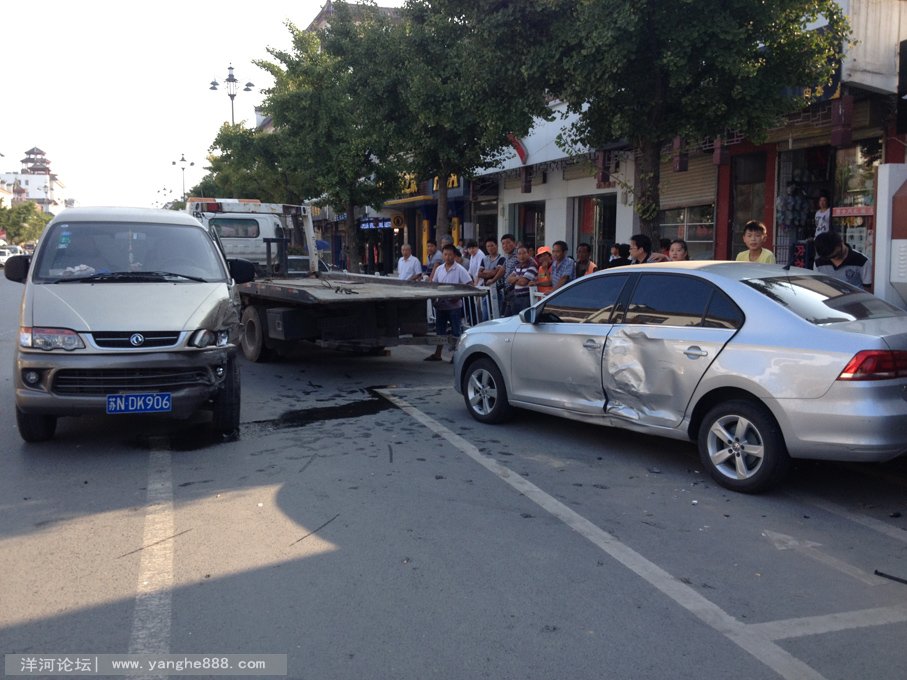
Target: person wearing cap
[544, 257]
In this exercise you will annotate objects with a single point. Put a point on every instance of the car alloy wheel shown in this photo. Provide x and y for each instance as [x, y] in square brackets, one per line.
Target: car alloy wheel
[742, 447]
[484, 392]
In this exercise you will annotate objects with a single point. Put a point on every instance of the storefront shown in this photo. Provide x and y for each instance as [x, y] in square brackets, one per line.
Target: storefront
[688, 205]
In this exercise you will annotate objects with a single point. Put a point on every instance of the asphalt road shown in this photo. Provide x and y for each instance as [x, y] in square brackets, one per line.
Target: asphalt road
[365, 526]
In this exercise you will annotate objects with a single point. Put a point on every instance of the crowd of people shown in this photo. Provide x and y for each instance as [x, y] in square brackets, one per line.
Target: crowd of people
[513, 269]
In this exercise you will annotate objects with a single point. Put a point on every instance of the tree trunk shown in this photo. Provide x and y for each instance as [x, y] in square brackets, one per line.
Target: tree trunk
[352, 239]
[442, 228]
[646, 198]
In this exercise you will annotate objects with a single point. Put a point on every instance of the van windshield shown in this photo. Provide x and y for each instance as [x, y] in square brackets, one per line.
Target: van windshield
[127, 251]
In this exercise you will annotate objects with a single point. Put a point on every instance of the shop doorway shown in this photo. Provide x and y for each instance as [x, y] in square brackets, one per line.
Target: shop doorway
[531, 224]
[596, 224]
[748, 196]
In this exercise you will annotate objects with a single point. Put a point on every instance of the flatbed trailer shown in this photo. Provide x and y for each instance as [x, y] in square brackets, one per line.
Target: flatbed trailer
[339, 310]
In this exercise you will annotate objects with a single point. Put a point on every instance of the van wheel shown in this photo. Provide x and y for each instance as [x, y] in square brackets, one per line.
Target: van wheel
[35, 427]
[742, 447]
[226, 402]
[254, 334]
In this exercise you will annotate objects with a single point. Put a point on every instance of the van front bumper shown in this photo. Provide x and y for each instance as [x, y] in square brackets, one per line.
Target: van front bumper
[72, 384]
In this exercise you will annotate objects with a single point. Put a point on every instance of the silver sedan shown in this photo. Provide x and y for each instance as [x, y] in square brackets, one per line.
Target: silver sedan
[756, 363]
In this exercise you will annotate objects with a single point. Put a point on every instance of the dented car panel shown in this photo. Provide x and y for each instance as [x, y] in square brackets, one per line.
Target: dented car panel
[656, 348]
[651, 372]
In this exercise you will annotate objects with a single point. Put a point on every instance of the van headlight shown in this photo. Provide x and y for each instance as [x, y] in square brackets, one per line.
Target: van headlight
[50, 338]
[204, 338]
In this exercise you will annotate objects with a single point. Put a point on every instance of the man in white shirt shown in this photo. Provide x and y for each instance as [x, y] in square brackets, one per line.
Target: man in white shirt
[475, 260]
[408, 267]
[448, 310]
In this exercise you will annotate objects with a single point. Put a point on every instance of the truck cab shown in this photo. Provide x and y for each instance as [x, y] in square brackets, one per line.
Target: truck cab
[246, 227]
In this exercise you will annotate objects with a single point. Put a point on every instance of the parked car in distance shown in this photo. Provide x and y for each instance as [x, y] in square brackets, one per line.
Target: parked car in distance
[126, 311]
[755, 363]
[4, 256]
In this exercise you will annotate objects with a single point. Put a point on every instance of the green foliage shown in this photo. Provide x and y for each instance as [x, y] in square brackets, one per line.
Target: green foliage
[23, 222]
[443, 83]
[647, 70]
[248, 163]
[319, 120]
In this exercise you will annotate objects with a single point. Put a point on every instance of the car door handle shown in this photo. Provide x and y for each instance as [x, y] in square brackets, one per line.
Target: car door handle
[695, 352]
[591, 344]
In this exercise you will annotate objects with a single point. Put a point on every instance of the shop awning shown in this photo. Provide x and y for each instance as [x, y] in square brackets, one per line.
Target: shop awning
[408, 200]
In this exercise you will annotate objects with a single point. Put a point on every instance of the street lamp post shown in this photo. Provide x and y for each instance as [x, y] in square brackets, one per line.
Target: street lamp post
[232, 85]
[183, 164]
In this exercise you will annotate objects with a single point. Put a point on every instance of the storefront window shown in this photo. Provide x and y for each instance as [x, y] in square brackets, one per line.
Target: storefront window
[530, 221]
[595, 224]
[695, 225]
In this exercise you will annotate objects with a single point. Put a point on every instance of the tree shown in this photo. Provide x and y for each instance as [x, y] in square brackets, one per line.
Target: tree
[23, 222]
[450, 89]
[646, 71]
[248, 163]
[319, 116]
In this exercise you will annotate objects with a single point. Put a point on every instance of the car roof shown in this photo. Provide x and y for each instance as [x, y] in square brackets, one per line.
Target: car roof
[737, 271]
[115, 214]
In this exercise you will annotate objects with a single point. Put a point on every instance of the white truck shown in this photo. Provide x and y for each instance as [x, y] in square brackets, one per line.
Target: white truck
[280, 308]
[250, 229]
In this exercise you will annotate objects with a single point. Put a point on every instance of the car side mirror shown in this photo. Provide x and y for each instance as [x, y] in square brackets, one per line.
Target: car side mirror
[530, 315]
[241, 271]
[16, 268]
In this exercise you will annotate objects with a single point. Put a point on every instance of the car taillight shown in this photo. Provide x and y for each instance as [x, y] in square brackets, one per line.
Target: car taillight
[876, 364]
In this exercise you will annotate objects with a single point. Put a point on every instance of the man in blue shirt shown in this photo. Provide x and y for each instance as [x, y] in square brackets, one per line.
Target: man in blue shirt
[563, 268]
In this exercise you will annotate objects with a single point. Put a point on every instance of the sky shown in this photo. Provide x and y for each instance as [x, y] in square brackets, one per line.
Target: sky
[114, 92]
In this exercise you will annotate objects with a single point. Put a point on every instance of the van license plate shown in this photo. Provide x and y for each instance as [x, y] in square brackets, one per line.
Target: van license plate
[155, 402]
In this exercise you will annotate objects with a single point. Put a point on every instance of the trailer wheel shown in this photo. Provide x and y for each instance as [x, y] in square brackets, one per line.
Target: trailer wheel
[254, 335]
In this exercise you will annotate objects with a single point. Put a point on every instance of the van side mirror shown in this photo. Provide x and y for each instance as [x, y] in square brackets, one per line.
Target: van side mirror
[16, 268]
[241, 271]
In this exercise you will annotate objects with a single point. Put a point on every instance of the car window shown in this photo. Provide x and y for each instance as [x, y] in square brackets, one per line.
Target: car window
[722, 312]
[669, 300]
[823, 300]
[235, 227]
[592, 300]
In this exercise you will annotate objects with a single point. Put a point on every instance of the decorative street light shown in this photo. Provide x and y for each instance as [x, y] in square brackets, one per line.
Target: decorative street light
[232, 85]
[183, 164]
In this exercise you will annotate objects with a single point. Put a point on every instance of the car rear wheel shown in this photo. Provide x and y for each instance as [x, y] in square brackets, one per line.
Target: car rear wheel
[485, 394]
[254, 334]
[35, 427]
[742, 446]
[226, 403]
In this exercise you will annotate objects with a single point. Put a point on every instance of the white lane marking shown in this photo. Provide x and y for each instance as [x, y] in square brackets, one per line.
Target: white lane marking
[810, 549]
[871, 522]
[152, 615]
[757, 644]
[831, 623]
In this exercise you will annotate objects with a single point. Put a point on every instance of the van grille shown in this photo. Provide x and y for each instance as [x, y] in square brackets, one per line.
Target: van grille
[121, 340]
[111, 380]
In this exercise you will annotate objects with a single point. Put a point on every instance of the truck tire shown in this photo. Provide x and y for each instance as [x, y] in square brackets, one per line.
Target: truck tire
[254, 335]
[226, 403]
[35, 427]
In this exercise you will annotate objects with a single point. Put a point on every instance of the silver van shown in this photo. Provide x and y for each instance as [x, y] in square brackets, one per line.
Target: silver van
[126, 311]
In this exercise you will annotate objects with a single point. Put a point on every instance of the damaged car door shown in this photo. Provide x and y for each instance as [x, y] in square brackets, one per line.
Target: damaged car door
[660, 347]
[557, 361]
